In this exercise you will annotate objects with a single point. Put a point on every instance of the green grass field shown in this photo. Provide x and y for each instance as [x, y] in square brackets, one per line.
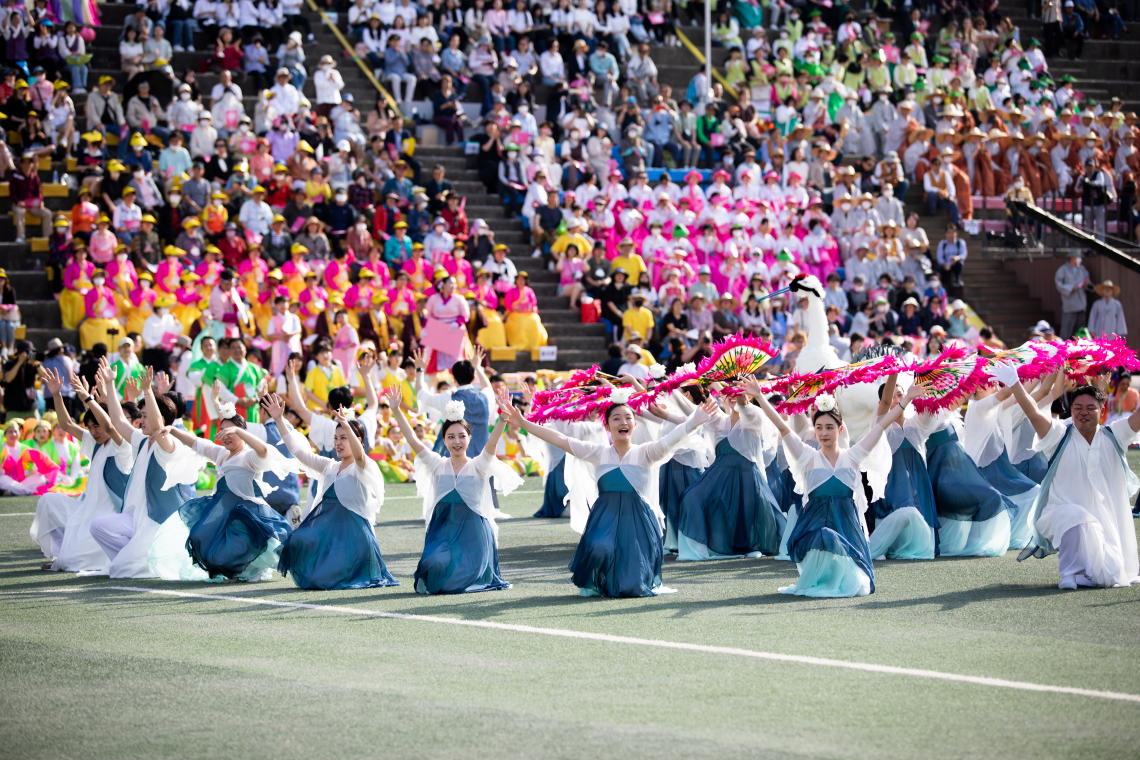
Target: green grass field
[122, 674]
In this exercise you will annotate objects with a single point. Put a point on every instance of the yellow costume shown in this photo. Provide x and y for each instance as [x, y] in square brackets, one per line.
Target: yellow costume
[524, 328]
[320, 381]
[71, 305]
[493, 335]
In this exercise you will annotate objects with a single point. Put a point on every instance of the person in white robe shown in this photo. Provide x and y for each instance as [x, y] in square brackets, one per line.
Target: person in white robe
[1084, 511]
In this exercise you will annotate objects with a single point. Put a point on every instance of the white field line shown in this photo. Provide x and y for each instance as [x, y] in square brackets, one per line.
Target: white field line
[17, 514]
[605, 637]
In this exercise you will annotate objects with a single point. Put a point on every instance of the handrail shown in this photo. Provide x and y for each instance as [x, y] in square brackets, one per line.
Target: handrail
[1044, 217]
[701, 60]
[357, 59]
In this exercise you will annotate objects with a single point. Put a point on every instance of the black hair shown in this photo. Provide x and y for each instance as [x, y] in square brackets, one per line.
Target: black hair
[695, 392]
[1088, 390]
[340, 397]
[358, 429]
[496, 378]
[178, 401]
[611, 409]
[99, 350]
[835, 414]
[986, 333]
[615, 350]
[280, 299]
[463, 371]
[166, 409]
[238, 421]
[131, 409]
[442, 385]
[448, 423]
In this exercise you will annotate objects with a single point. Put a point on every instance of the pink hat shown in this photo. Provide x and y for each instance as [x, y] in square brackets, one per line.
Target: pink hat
[721, 173]
[694, 175]
[615, 172]
[741, 204]
[771, 175]
[793, 175]
[719, 199]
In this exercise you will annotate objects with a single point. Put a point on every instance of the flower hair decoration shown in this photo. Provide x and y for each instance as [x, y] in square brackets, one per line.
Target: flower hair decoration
[227, 410]
[621, 395]
[454, 411]
[825, 402]
[657, 371]
[688, 368]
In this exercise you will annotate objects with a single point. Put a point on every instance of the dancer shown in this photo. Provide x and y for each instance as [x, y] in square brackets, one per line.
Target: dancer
[234, 533]
[62, 525]
[985, 444]
[906, 520]
[973, 517]
[1083, 512]
[621, 548]
[731, 511]
[829, 540]
[461, 553]
[142, 541]
[335, 547]
[686, 465]
[554, 487]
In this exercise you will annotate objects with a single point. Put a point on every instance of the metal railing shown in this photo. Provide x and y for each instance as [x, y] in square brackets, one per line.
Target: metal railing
[362, 63]
[1076, 235]
[701, 60]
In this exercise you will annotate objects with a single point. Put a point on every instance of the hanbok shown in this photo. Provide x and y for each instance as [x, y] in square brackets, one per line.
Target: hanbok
[142, 540]
[677, 475]
[829, 540]
[973, 517]
[62, 525]
[616, 511]
[554, 487]
[731, 511]
[906, 520]
[985, 444]
[335, 547]
[25, 471]
[461, 554]
[1083, 506]
[1019, 434]
[234, 533]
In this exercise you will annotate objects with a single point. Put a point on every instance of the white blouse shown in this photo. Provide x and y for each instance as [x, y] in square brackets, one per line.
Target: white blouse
[359, 489]
[436, 477]
[244, 469]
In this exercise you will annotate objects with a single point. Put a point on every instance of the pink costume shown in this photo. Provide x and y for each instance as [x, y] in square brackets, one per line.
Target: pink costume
[419, 273]
[100, 303]
[380, 269]
[295, 269]
[168, 277]
[487, 295]
[313, 301]
[210, 272]
[345, 345]
[278, 325]
[27, 471]
[102, 246]
[74, 271]
[252, 273]
[359, 297]
[521, 300]
[570, 268]
[140, 296]
[460, 269]
[336, 277]
[122, 276]
[454, 311]
[267, 296]
[400, 302]
[187, 296]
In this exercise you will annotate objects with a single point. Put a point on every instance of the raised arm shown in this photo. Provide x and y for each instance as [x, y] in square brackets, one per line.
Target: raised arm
[496, 432]
[553, 437]
[259, 446]
[1007, 375]
[371, 402]
[753, 389]
[888, 395]
[115, 415]
[395, 395]
[55, 386]
[165, 442]
[294, 390]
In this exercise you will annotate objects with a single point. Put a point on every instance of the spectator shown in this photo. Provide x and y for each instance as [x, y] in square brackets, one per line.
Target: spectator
[952, 255]
[1107, 316]
[1071, 280]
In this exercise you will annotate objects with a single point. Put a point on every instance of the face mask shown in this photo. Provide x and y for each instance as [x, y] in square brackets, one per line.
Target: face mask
[175, 199]
[882, 98]
[524, 108]
[361, 227]
[341, 197]
[218, 202]
[184, 96]
[512, 155]
[888, 191]
[243, 128]
[231, 233]
[783, 35]
[865, 204]
[98, 281]
[845, 206]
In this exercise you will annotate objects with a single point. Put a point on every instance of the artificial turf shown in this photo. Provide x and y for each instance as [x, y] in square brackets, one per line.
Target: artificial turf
[116, 674]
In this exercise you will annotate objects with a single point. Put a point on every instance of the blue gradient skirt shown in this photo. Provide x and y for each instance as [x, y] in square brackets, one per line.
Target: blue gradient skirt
[233, 538]
[974, 517]
[554, 497]
[729, 512]
[459, 556]
[620, 552]
[828, 546]
[907, 501]
[673, 479]
[334, 548]
[1008, 480]
[1035, 467]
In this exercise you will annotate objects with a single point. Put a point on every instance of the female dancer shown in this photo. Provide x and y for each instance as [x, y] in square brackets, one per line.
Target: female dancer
[731, 511]
[1018, 431]
[461, 553]
[906, 520]
[555, 489]
[986, 445]
[334, 547]
[621, 549]
[685, 467]
[111, 458]
[829, 541]
[234, 533]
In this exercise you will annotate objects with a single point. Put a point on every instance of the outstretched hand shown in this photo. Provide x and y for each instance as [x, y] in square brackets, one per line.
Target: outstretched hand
[274, 406]
[395, 396]
[162, 383]
[752, 387]
[705, 411]
[51, 380]
[1005, 373]
[293, 367]
[418, 359]
[131, 389]
[147, 380]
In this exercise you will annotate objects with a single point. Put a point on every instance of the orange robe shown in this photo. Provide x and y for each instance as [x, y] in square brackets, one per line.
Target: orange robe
[1027, 167]
[962, 193]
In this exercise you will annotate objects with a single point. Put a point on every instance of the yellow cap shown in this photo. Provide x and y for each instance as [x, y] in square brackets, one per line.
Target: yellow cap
[191, 222]
[138, 139]
[163, 302]
[115, 165]
[148, 218]
[172, 251]
[298, 248]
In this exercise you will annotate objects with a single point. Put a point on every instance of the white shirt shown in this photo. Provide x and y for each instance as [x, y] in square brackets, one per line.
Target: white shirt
[328, 84]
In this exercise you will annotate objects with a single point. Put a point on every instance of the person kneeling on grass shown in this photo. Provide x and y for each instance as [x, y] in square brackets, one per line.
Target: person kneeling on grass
[1083, 512]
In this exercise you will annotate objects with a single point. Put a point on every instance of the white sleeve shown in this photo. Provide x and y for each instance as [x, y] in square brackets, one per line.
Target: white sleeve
[1049, 443]
[321, 431]
[591, 453]
[212, 451]
[431, 399]
[1125, 436]
[312, 464]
